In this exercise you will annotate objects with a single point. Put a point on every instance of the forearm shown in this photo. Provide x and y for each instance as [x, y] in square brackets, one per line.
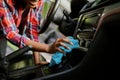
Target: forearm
[38, 58]
[40, 47]
[18, 39]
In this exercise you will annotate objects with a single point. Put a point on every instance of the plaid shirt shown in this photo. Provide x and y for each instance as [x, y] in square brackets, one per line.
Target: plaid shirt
[11, 18]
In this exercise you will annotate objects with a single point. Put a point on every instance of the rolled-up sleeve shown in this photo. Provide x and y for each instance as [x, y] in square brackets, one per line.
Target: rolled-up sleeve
[9, 28]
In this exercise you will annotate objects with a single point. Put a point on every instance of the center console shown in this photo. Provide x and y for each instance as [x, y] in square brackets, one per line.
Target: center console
[86, 27]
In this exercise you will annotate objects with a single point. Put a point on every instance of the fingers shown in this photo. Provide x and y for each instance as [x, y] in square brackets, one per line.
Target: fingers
[65, 40]
[61, 42]
[58, 49]
[43, 62]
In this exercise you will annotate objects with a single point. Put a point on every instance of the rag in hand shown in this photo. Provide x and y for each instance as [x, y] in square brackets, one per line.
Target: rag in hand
[57, 56]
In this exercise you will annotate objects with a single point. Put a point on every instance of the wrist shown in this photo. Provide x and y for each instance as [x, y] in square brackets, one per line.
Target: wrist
[50, 48]
[47, 49]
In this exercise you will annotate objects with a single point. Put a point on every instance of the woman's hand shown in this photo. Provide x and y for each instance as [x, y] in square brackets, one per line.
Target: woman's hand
[59, 42]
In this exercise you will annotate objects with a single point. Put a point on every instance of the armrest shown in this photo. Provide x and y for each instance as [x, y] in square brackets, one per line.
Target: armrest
[18, 52]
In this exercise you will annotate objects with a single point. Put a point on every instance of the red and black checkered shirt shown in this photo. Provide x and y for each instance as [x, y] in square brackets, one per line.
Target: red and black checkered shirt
[11, 18]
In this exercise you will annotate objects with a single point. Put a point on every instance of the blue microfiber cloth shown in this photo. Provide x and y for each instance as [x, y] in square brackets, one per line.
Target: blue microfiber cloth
[57, 56]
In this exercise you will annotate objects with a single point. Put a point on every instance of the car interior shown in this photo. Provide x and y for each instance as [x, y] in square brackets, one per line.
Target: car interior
[97, 29]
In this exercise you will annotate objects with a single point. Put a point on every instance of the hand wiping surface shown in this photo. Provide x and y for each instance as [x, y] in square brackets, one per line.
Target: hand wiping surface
[57, 56]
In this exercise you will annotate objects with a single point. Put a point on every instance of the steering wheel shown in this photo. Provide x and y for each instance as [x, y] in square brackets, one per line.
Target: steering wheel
[51, 12]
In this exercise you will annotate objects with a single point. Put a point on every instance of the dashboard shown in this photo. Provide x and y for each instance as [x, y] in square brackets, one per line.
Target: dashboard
[87, 26]
[89, 22]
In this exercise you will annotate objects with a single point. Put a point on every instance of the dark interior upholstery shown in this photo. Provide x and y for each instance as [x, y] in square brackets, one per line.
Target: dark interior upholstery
[101, 60]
